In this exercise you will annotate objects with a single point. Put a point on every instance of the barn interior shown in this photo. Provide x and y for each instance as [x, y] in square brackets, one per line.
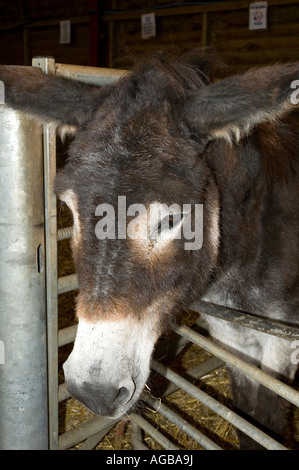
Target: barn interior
[107, 34]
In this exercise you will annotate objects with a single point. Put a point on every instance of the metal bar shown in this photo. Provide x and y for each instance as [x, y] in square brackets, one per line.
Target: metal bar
[253, 432]
[90, 75]
[81, 433]
[136, 437]
[23, 369]
[234, 316]
[64, 233]
[171, 348]
[196, 372]
[138, 444]
[247, 320]
[49, 141]
[186, 427]
[92, 441]
[67, 283]
[63, 392]
[67, 335]
[175, 344]
[255, 373]
[147, 427]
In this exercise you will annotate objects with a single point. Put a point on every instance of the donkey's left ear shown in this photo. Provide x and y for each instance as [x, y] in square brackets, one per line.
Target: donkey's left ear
[55, 100]
[232, 107]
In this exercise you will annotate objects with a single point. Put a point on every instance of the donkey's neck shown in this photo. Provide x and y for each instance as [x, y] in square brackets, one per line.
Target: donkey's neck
[237, 171]
[259, 228]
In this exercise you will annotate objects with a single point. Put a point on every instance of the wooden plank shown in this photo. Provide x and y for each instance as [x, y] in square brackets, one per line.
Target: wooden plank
[189, 10]
[55, 22]
[12, 55]
[41, 23]
[64, 9]
[171, 36]
[274, 30]
[45, 42]
[228, 30]
[259, 43]
[204, 37]
[94, 33]
[260, 57]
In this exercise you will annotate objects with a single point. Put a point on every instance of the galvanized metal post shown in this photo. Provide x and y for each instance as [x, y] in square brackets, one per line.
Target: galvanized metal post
[47, 64]
[23, 369]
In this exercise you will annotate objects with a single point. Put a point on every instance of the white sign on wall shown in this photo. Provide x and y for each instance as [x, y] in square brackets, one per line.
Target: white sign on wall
[65, 32]
[258, 15]
[148, 25]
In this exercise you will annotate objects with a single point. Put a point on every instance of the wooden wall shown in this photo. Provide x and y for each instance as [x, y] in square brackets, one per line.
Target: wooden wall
[31, 27]
[223, 26]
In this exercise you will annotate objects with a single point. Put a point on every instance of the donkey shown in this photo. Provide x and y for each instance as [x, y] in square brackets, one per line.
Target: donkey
[170, 134]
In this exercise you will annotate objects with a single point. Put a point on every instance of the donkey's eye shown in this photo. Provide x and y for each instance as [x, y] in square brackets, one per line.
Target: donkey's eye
[166, 225]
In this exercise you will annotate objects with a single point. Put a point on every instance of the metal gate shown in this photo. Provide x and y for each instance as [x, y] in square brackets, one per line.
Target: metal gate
[30, 411]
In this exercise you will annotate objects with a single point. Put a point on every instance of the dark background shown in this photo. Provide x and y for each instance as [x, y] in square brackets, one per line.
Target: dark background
[104, 31]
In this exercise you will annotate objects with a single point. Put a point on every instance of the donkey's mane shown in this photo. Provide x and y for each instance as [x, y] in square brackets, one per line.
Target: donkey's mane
[170, 76]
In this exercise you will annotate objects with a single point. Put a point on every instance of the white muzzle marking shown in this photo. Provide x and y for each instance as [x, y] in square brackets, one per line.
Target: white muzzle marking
[109, 364]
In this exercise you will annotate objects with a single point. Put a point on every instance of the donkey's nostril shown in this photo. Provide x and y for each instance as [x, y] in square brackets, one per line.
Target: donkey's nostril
[103, 399]
[122, 397]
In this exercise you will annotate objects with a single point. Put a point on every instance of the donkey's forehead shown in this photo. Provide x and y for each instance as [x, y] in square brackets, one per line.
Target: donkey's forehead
[144, 184]
[141, 130]
[119, 154]
[107, 170]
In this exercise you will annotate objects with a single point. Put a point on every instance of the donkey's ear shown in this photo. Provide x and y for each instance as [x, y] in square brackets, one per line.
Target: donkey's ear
[232, 107]
[55, 100]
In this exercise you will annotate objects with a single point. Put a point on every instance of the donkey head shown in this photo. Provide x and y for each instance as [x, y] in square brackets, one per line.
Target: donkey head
[136, 181]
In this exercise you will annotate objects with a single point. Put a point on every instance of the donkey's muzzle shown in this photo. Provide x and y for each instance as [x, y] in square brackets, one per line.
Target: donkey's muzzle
[109, 365]
[106, 400]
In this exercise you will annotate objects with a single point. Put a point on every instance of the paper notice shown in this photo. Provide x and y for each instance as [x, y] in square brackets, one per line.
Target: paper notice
[148, 25]
[65, 32]
[258, 15]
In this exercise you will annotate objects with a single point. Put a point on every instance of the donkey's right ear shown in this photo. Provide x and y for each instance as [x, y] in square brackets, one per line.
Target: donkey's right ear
[231, 108]
[55, 100]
